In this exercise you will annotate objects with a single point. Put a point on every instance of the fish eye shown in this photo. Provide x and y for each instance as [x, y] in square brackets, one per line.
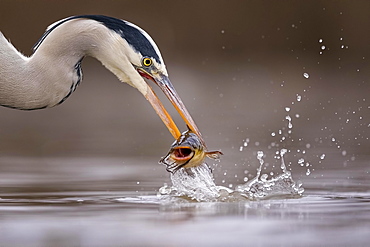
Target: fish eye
[147, 61]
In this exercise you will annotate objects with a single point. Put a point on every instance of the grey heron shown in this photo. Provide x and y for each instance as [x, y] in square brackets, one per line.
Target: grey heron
[53, 71]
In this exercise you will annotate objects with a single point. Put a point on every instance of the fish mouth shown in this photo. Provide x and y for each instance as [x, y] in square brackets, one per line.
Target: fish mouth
[164, 83]
[177, 158]
[182, 153]
[185, 157]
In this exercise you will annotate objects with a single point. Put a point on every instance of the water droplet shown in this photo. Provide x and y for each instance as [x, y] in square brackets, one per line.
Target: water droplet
[301, 161]
[273, 134]
[283, 151]
[299, 97]
[264, 177]
[323, 47]
[308, 172]
[290, 125]
[322, 156]
[320, 40]
[306, 75]
[344, 152]
[222, 31]
[287, 109]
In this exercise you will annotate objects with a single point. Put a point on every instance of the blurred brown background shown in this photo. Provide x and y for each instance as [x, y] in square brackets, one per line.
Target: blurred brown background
[236, 65]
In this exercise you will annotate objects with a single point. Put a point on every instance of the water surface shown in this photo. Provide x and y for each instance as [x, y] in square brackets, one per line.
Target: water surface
[115, 202]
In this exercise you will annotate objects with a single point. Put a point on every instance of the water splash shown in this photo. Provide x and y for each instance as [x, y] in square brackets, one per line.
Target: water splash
[281, 185]
[197, 184]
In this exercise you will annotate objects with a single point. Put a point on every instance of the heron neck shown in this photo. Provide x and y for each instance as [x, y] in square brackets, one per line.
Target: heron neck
[51, 74]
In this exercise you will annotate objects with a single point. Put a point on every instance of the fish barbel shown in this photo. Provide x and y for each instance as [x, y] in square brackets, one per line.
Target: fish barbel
[187, 151]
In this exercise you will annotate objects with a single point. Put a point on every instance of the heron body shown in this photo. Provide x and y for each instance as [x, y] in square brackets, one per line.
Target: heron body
[53, 71]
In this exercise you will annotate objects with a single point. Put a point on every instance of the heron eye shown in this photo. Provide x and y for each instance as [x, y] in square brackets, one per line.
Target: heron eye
[147, 62]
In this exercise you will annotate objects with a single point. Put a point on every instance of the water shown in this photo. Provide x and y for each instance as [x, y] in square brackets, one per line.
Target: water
[97, 202]
[257, 199]
[254, 196]
[134, 202]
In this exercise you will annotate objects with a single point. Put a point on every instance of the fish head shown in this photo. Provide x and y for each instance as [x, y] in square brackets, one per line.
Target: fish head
[187, 151]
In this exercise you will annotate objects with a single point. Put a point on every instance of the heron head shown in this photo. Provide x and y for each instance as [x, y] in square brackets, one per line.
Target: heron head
[132, 55]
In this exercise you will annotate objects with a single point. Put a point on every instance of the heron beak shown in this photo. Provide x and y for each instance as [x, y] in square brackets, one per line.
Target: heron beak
[166, 86]
[162, 112]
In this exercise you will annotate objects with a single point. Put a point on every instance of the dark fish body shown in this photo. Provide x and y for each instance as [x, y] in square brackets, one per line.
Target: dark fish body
[187, 151]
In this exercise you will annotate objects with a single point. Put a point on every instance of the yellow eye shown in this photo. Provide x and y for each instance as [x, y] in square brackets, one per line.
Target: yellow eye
[147, 61]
